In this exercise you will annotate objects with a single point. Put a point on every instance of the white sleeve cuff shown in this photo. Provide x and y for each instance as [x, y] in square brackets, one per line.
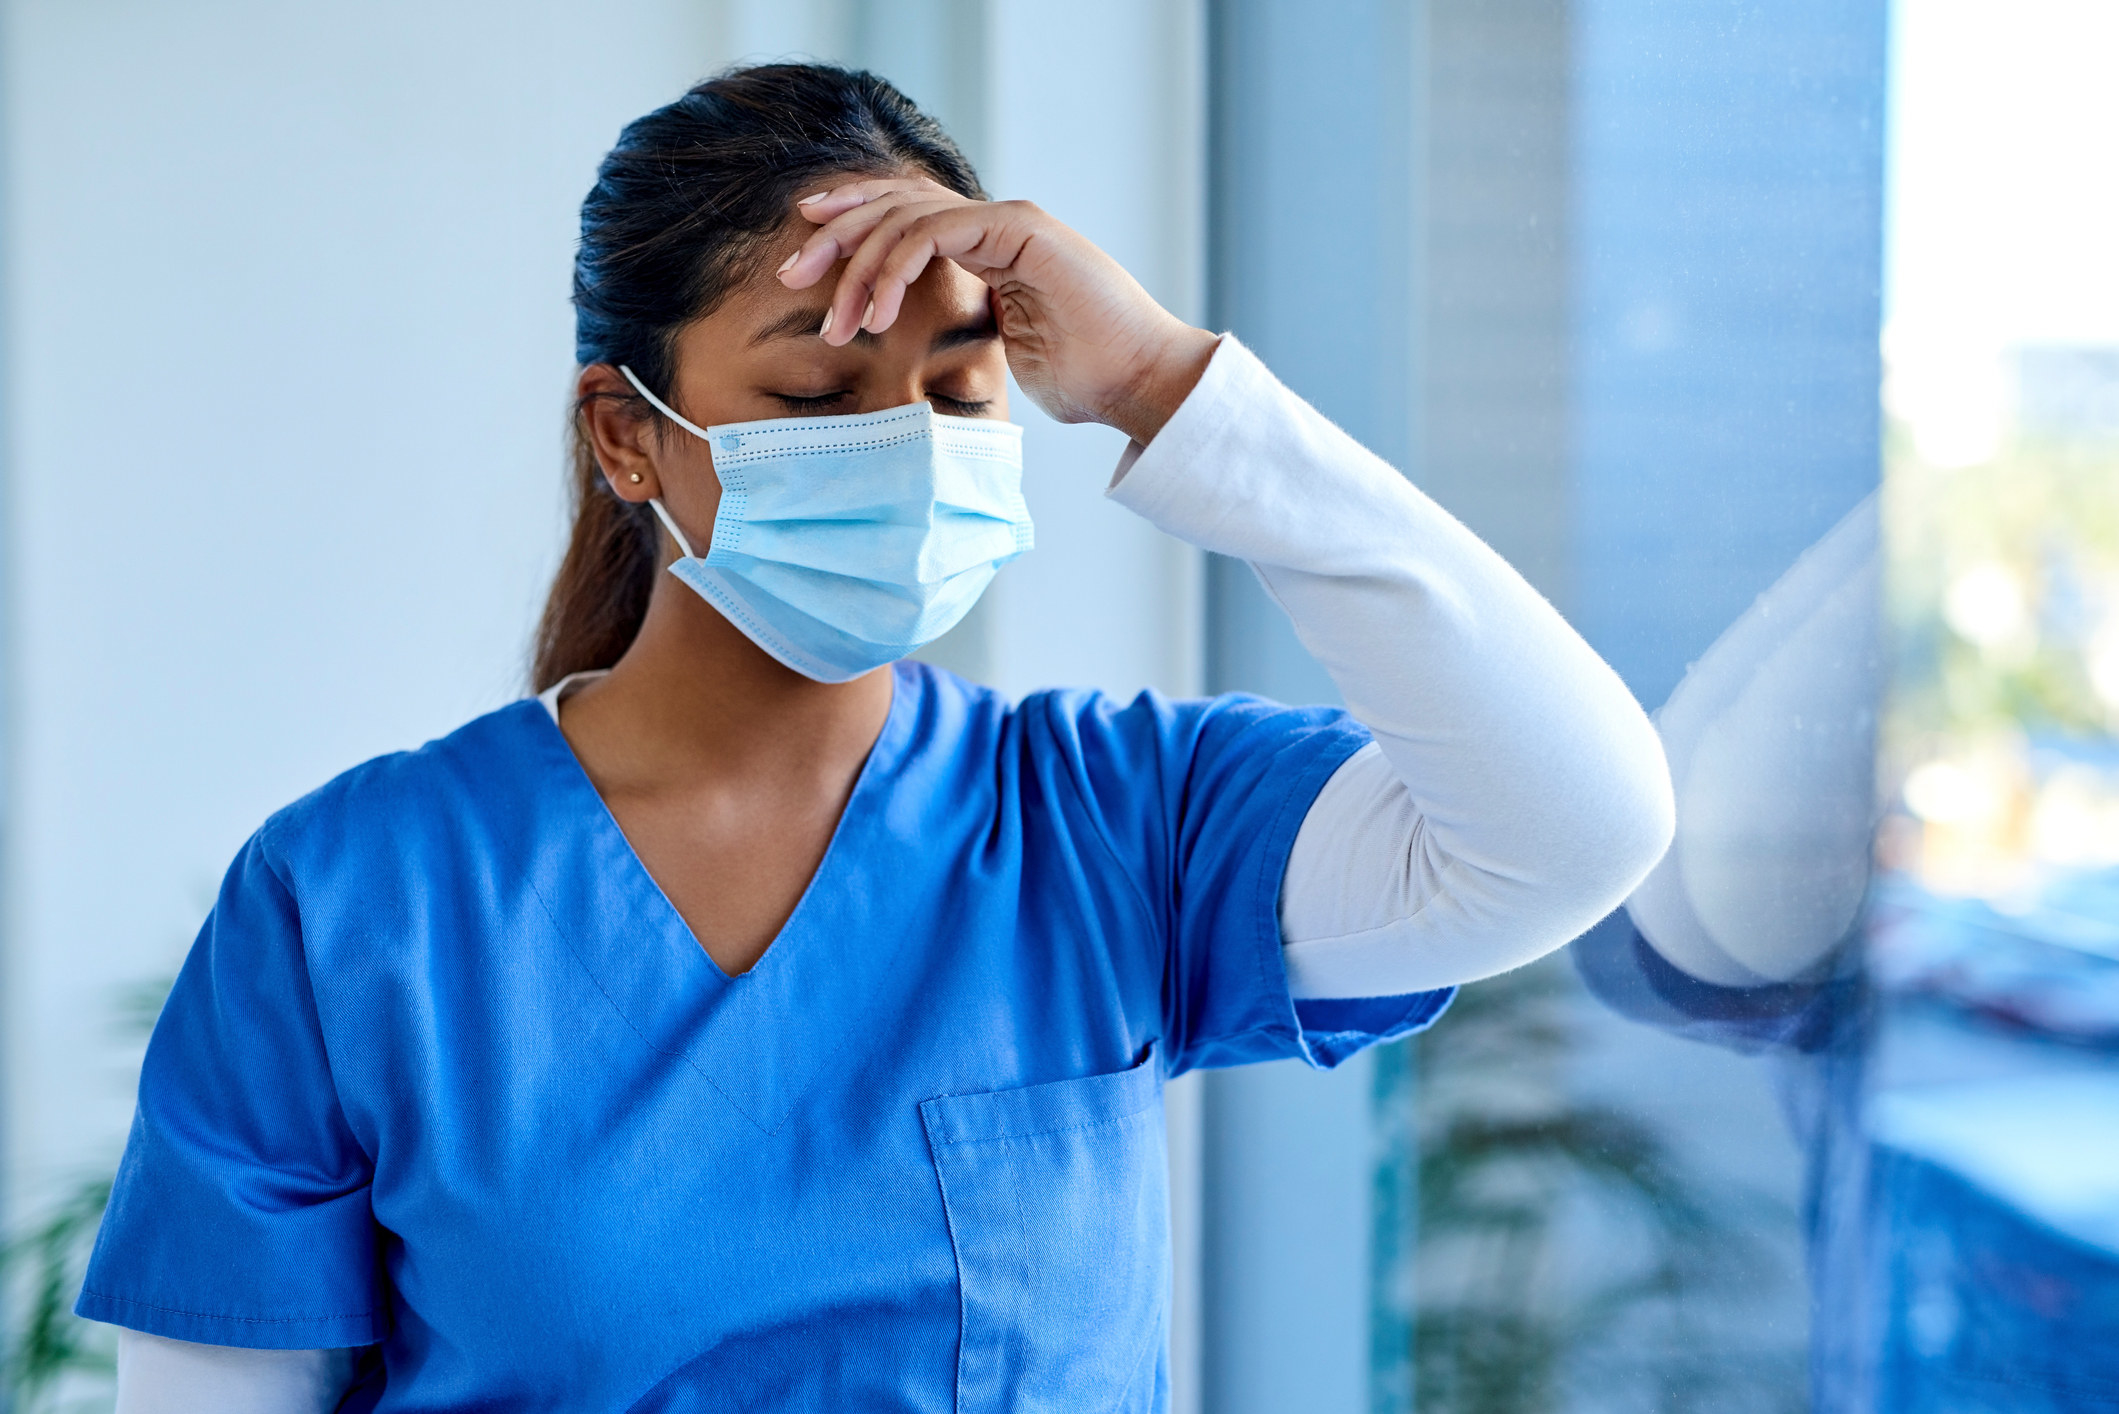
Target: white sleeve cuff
[157, 1375]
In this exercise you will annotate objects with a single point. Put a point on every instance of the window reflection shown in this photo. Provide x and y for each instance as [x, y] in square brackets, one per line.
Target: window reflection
[1893, 903]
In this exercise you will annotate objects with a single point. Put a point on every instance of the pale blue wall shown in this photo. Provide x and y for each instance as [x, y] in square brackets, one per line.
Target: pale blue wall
[287, 357]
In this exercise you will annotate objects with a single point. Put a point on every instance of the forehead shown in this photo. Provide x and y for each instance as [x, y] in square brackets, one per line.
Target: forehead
[758, 300]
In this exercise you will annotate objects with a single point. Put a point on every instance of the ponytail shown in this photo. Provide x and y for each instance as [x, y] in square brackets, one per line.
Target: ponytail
[600, 594]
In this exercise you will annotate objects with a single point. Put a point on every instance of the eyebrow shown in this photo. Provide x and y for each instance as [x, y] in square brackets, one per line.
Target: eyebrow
[976, 330]
[797, 322]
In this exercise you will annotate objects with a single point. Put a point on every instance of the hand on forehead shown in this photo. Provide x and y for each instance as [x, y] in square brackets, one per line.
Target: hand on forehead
[761, 353]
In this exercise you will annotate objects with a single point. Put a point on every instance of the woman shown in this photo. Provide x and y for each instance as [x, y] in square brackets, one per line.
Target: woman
[755, 1020]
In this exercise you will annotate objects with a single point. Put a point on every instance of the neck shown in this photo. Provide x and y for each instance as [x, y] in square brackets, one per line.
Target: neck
[693, 697]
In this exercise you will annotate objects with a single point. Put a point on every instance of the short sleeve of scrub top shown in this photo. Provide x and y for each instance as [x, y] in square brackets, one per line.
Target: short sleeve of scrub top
[1200, 802]
[445, 1071]
[242, 1200]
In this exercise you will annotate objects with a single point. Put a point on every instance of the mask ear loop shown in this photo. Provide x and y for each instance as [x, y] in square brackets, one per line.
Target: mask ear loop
[673, 415]
[671, 522]
[662, 407]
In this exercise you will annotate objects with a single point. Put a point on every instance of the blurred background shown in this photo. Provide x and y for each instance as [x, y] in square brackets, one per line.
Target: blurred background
[1777, 343]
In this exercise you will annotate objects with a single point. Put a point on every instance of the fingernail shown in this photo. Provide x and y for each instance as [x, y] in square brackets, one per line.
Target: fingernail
[868, 314]
[789, 263]
[812, 198]
[825, 328]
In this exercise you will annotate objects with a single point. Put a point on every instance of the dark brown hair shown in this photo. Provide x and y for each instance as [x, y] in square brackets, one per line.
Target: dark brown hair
[681, 206]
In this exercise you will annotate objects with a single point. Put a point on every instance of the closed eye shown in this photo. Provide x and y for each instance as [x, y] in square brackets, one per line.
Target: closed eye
[802, 406]
[818, 404]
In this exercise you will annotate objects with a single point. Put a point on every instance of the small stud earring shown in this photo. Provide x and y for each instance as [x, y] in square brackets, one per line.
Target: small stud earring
[635, 478]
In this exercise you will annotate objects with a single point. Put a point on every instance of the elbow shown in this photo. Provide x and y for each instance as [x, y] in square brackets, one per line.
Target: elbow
[1623, 841]
[1604, 821]
[1650, 808]
[1486, 917]
[1590, 861]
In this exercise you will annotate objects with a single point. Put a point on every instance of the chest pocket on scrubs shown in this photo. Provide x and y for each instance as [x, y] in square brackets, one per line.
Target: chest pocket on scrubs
[1058, 1203]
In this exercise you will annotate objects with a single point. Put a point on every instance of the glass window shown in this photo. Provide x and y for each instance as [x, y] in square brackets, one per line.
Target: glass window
[1779, 347]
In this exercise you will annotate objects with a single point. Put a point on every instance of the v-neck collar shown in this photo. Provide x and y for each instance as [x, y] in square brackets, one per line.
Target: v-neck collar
[760, 1037]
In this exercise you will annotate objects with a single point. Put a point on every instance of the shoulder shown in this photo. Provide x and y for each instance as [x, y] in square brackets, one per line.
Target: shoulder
[474, 771]
[944, 704]
[1178, 753]
[1078, 720]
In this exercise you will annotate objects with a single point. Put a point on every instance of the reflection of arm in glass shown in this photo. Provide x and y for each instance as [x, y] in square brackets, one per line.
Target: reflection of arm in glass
[1771, 743]
[1738, 937]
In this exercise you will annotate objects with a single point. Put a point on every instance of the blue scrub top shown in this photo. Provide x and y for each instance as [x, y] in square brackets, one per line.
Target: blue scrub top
[447, 1072]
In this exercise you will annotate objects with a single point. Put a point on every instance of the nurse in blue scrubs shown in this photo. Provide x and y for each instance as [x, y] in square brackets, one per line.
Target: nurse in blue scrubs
[753, 1019]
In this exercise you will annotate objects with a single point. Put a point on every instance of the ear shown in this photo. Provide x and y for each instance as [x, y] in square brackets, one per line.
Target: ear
[623, 438]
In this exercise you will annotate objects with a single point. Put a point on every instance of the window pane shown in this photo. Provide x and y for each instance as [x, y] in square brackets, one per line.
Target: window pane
[1828, 1117]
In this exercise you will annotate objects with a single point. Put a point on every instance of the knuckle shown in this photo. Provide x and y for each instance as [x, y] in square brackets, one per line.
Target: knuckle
[888, 231]
[872, 253]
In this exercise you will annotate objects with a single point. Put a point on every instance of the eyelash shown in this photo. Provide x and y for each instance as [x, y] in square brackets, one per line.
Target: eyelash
[821, 403]
[800, 405]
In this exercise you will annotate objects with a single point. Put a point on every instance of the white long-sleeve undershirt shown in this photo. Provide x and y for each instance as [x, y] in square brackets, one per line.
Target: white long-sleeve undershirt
[157, 1375]
[1514, 794]
[1517, 791]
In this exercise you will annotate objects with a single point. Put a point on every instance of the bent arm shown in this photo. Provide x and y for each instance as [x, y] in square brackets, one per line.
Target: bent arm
[1516, 793]
[157, 1375]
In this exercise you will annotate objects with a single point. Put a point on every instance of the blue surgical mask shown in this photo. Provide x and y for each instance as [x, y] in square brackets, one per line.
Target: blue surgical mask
[844, 543]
